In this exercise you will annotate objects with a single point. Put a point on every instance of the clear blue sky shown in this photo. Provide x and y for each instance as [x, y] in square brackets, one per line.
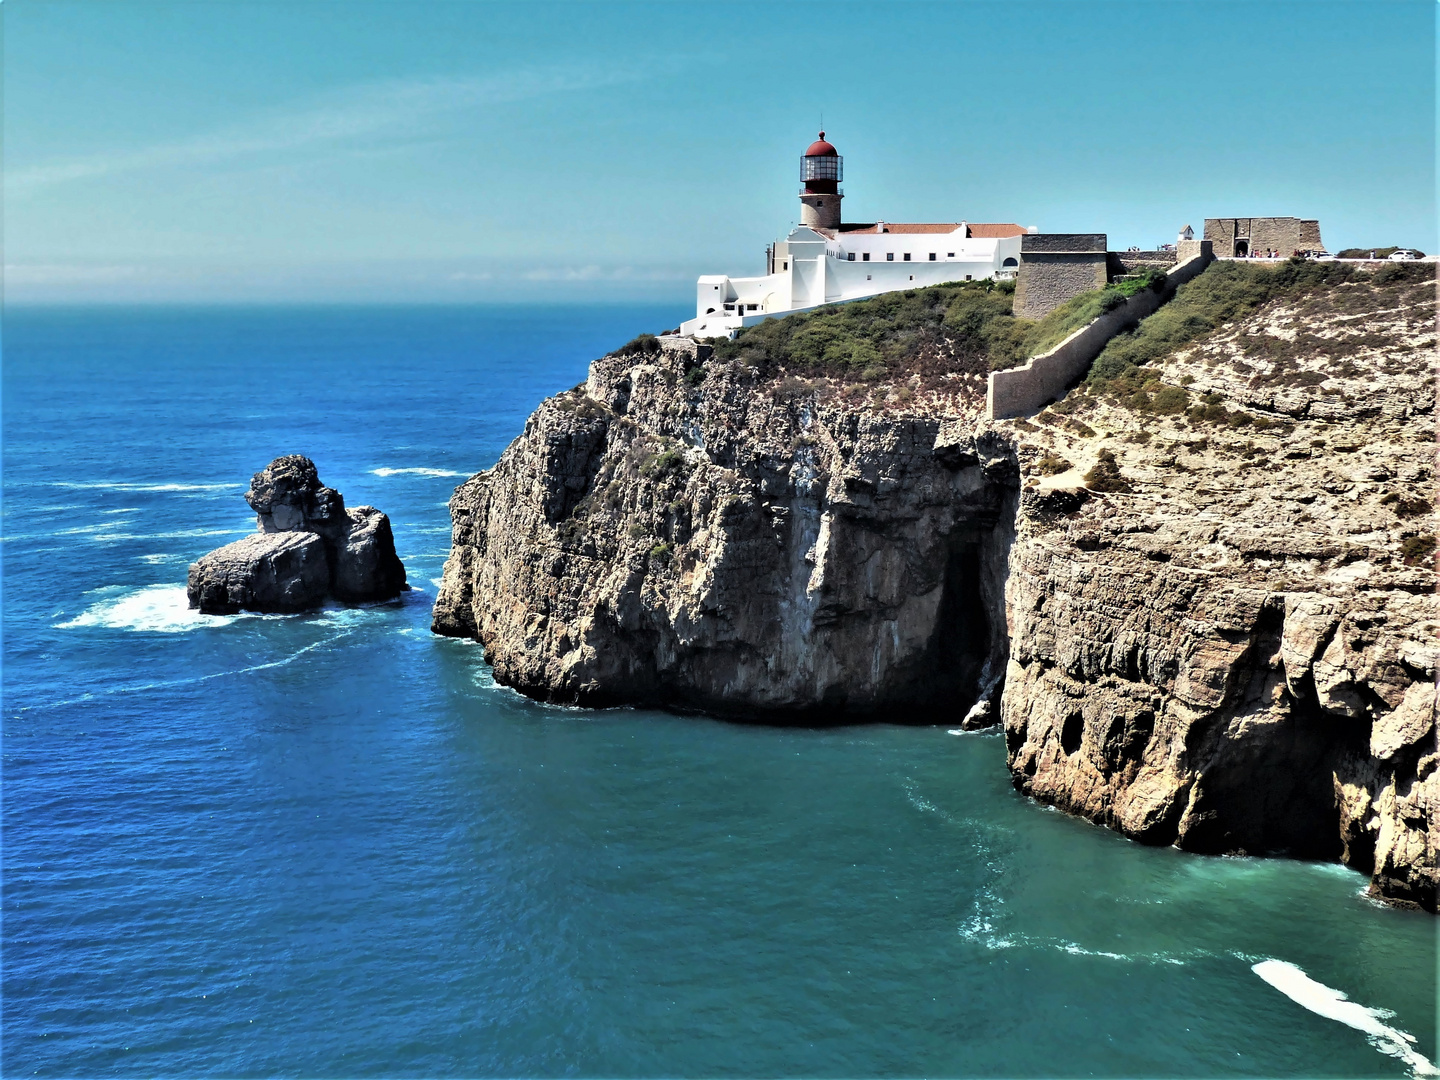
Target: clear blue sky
[355, 151]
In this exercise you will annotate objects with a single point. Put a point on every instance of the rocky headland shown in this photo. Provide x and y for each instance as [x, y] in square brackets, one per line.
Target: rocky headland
[309, 548]
[1198, 592]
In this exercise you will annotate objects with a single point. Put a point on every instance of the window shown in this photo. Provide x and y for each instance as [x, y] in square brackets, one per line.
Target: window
[889, 256]
[709, 311]
[850, 256]
[752, 307]
[865, 257]
[912, 277]
[949, 254]
[784, 266]
[867, 277]
[932, 256]
[967, 277]
[907, 256]
[1010, 262]
[729, 307]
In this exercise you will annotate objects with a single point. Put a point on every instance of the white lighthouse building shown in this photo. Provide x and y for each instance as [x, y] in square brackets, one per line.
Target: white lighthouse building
[827, 261]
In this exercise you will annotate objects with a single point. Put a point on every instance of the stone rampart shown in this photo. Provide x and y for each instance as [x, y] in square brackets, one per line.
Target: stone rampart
[1046, 378]
[1055, 267]
[1249, 236]
[1132, 262]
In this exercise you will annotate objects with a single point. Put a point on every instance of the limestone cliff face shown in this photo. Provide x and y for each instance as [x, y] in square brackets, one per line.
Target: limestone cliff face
[764, 551]
[1238, 653]
[1226, 640]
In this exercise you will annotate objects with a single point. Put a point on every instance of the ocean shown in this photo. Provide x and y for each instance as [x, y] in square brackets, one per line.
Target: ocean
[329, 845]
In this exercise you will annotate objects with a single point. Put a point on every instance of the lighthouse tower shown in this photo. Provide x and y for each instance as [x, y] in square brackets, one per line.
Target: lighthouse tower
[821, 170]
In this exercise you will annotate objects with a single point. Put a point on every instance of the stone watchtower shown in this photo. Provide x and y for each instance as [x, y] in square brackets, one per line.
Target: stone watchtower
[822, 168]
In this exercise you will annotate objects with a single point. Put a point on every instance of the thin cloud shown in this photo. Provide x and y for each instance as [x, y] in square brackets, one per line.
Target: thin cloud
[369, 111]
[601, 273]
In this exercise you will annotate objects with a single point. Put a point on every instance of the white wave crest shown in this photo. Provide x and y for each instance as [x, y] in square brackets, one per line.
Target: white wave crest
[284, 661]
[417, 472]
[116, 485]
[162, 609]
[1334, 1005]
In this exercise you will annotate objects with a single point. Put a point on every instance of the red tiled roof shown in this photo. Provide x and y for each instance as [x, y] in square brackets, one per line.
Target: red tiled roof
[995, 231]
[898, 228]
[981, 231]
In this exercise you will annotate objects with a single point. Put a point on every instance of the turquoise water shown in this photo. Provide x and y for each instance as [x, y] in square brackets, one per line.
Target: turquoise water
[329, 845]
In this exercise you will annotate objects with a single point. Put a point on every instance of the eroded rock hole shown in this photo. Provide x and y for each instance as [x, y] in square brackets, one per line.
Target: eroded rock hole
[1071, 731]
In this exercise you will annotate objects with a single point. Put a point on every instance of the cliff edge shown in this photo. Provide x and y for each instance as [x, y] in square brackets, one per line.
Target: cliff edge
[1200, 589]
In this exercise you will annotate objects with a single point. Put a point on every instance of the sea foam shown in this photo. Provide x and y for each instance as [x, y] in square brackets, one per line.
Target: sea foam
[163, 609]
[119, 485]
[1334, 1005]
[417, 472]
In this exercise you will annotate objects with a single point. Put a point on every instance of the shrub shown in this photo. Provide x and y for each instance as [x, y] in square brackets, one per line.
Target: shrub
[695, 375]
[644, 345]
[1052, 465]
[1417, 549]
[661, 554]
[665, 465]
[1169, 400]
[1105, 476]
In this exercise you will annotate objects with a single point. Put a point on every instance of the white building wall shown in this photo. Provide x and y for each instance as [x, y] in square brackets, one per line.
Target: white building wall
[812, 270]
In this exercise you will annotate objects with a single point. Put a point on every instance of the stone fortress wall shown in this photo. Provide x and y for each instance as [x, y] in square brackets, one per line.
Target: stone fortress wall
[1046, 378]
[1240, 237]
[1057, 266]
[1133, 262]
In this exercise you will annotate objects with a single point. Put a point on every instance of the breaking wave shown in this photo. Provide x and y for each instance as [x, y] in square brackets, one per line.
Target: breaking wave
[116, 485]
[1334, 1005]
[161, 609]
[417, 472]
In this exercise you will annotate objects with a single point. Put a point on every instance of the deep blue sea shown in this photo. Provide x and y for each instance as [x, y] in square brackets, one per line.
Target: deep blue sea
[329, 845]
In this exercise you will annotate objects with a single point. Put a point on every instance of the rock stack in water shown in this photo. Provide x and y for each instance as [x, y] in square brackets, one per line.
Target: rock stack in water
[309, 547]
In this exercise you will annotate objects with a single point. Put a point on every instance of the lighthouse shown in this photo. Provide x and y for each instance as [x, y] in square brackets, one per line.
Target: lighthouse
[821, 170]
[826, 261]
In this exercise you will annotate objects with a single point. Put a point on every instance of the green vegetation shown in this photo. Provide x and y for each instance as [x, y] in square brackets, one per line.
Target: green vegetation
[1417, 549]
[665, 465]
[644, 345]
[1105, 476]
[1228, 291]
[958, 328]
[661, 554]
[1052, 465]
[1378, 253]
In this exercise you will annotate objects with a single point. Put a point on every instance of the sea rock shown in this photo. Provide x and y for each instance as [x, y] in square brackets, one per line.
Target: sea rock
[366, 566]
[279, 572]
[287, 496]
[1231, 647]
[309, 548]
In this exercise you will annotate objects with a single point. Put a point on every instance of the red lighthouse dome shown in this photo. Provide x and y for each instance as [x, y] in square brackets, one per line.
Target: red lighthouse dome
[821, 148]
[822, 168]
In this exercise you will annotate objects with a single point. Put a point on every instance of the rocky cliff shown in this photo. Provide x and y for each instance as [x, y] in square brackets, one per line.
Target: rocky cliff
[1201, 590]
[685, 533]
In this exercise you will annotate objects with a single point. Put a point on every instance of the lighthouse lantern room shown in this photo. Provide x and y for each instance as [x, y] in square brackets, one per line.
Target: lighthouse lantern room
[821, 170]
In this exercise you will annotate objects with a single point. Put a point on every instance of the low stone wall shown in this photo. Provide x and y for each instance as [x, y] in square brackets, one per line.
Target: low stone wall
[1132, 262]
[1048, 377]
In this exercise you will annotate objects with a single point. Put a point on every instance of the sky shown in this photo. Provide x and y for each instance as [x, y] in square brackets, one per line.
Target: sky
[344, 151]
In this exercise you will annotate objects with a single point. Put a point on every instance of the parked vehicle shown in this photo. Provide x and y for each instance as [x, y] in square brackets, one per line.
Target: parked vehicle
[1404, 255]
